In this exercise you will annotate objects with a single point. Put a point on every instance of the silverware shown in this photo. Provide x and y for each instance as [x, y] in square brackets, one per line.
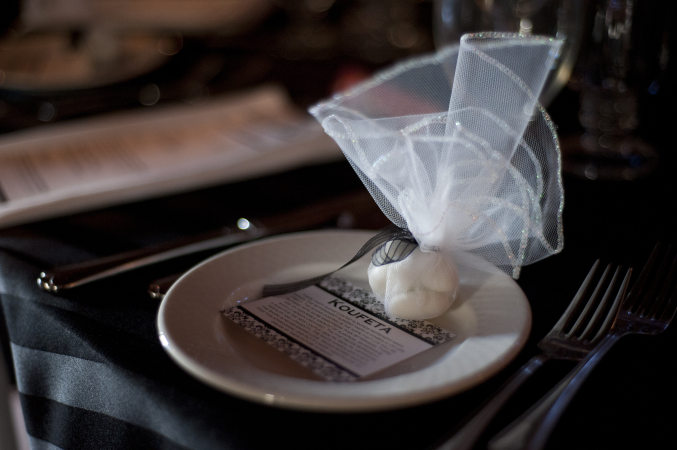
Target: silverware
[648, 309]
[158, 288]
[73, 275]
[580, 327]
[78, 274]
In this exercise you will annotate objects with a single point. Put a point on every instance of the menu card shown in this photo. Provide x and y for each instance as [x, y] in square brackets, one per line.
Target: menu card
[337, 330]
[64, 168]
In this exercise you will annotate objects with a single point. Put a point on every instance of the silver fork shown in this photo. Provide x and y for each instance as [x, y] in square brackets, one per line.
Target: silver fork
[578, 330]
[648, 309]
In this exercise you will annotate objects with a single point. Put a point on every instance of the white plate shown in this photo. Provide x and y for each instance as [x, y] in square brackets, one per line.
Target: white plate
[51, 61]
[491, 319]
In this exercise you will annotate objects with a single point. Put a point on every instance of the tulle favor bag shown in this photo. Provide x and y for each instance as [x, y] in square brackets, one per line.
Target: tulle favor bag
[455, 148]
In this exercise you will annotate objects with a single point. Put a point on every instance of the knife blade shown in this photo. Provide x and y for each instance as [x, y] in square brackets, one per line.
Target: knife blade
[70, 276]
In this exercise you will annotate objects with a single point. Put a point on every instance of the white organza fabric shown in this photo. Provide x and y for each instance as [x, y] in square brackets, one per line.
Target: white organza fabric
[455, 147]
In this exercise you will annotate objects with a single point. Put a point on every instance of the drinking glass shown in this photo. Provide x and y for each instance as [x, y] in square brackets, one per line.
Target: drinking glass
[619, 64]
[557, 18]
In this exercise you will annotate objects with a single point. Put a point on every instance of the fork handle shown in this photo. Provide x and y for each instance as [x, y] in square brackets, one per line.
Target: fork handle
[531, 430]
[466, 437]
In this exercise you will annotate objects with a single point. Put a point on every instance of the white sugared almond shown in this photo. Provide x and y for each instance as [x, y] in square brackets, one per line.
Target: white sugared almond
[421, 286]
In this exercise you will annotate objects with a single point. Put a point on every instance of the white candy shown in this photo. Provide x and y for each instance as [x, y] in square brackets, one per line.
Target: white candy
[421, 286]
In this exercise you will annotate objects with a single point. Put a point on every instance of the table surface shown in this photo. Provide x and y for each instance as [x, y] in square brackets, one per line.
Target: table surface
[91, 371]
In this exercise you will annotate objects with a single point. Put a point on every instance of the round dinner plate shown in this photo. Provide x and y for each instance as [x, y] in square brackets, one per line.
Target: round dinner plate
[52, 61]
[490, 318]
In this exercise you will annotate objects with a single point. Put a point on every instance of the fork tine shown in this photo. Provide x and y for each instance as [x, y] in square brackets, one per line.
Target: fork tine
[651, 297]
[583, 318]
[612, 311]
[578, 298]
[669, 290]
[641, 289]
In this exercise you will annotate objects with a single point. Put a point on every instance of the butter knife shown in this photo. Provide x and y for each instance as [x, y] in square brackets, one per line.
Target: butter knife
[70, 276]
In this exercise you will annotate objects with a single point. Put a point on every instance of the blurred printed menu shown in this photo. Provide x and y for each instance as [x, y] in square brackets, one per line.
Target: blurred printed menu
[91, 163]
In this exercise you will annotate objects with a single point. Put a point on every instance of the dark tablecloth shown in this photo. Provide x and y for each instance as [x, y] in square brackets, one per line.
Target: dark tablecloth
[92, 374]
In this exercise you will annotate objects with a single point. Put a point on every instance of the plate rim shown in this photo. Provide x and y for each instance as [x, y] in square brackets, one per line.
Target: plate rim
[325, 403]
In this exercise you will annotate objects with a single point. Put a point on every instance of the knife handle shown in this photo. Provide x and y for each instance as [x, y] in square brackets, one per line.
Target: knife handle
[74, 275]
[358, 205]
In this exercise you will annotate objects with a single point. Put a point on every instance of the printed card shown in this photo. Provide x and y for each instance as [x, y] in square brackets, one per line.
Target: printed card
[336, 329]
